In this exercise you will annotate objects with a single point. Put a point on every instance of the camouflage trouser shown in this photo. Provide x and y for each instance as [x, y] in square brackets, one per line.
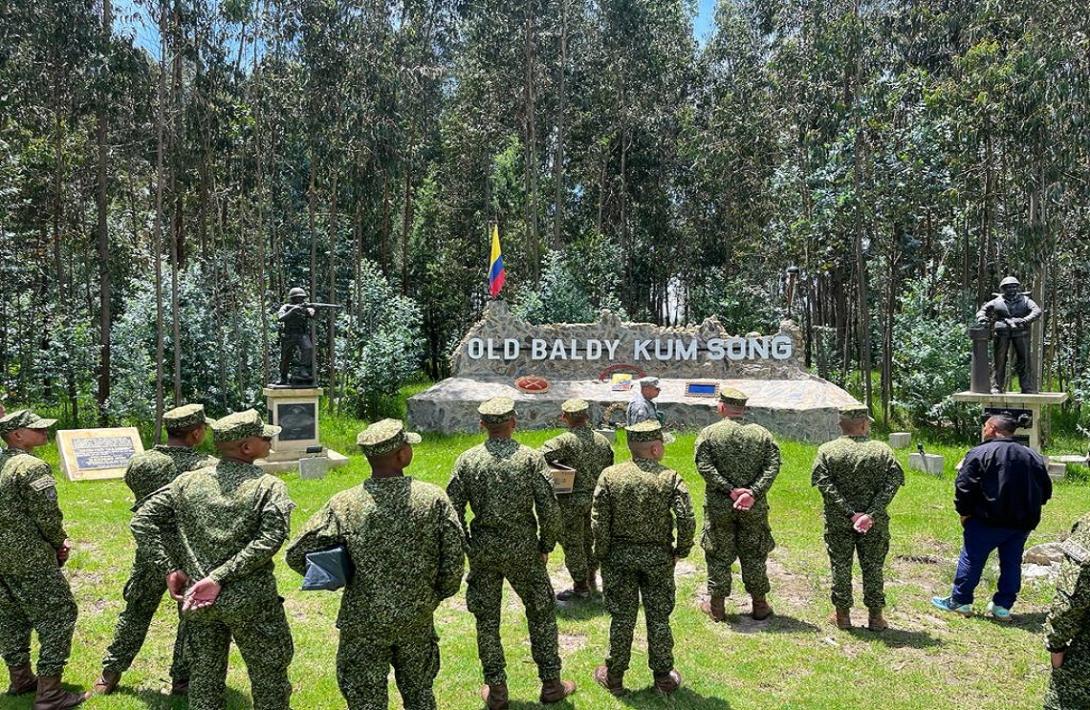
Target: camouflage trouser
[143, 593]
[1069, 688]
[577, 540]
[843, 543]
[264, 640]
[363, 666]
[484, 595]
[629, 574]
[42, 603]
[730, 535]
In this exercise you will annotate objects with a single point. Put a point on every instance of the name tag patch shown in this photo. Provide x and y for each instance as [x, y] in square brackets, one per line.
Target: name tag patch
[40, 484]
[1076, 552]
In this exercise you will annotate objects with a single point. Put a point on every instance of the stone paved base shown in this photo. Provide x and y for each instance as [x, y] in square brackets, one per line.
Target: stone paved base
[805, 410]
[284, 461]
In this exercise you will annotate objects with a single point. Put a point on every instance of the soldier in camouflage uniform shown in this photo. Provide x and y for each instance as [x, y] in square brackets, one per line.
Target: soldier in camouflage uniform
[739, 462]
[857, 478]
[218, 529]
[405, 538]
[637, 507]
[34, 595]
[1067, 628]
[516, 523]
[588, 453]
[147, 473]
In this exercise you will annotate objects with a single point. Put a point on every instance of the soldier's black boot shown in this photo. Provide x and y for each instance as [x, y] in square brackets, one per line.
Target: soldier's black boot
[715, 608]
[106, 683]
[761, 609]
[667, 682]
[875, 621]
[581, 590]
[179, 686]
[23, 680]
[50, 696]
[495, 696]
[613, 683]
[553, 691]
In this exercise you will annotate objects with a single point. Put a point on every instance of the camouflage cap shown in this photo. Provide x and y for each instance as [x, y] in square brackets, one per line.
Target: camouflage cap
[854, 412]
[497, 410]
[574, 406]
[24, 419]
[648, 430]
[242, 425]
[385, 436]
[732, 396]
[185, 417]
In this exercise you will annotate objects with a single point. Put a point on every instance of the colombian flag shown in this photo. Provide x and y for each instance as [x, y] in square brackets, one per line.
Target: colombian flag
[496, 273]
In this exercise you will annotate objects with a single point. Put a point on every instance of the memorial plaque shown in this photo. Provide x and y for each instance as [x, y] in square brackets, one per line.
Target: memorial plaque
[563, 478]
[97, 454]
[298, 419]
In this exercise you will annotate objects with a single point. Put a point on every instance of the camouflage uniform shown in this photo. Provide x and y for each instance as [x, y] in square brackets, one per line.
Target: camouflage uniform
[34, 594]
[404, 536]
[1067, 627]
[229, 521]
[856, 475]
[516, 519]
[147, 473]
[732, 455]
[588, 453]
[637, 506]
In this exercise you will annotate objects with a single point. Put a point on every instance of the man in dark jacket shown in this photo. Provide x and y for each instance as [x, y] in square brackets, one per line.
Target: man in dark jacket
[999, 494]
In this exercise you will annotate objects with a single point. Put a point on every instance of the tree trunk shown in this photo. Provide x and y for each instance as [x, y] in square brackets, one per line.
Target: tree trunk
[103, 238]
[558, 153]
[160, 151]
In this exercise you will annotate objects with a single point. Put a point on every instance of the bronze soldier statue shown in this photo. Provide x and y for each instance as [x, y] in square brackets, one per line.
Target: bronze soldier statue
[1011, 313]
[296, 348]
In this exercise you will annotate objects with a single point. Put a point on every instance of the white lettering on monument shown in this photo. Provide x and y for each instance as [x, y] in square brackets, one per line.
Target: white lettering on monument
[777, 347]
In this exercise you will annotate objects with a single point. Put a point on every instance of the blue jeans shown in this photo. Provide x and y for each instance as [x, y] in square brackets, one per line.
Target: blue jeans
[979, 542]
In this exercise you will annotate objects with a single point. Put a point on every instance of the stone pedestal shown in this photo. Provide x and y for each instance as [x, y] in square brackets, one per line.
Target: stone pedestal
[928, 463]
[297, 410]
[900, 439]
[1033, 403]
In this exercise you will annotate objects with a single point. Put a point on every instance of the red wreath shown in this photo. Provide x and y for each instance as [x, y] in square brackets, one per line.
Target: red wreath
[532, 384]
[607, 374]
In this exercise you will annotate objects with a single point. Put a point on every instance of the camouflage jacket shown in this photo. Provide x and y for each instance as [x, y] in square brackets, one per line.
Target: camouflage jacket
[151, 470]
[641, 502]
[229, 520]
[856, 475]
[732, 455]
[1070, 614]
[31, 523]
[515, 513]
[587, 452]
[406, 544]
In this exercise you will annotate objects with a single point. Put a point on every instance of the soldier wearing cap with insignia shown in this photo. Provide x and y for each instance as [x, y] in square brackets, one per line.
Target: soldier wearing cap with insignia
[643, 523]
[516, 523]
[218, 529]
[407, 541]
[642, 407]
[857, 478]
[34, 595]
[1067, 628]
[146, 473]
[588, 453]
[739, 463]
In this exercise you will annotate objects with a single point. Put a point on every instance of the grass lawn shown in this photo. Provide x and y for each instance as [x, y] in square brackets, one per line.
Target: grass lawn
[927, 660]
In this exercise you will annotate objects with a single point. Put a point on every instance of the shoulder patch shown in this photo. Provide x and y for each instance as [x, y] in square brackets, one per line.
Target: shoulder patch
[40, 484]
[1076, 552]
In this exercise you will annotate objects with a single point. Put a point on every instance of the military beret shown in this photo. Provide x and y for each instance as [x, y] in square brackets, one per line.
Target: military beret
[854, 412]
[732, 396]
[242, 425]
[24, 419]
[648, 430]
[385, 436]
[184, 417]
[648, 381]
[574, 406]
[497, 410]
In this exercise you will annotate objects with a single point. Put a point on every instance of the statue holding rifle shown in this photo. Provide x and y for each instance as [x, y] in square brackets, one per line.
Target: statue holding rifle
[296, 348]
[1010, 315]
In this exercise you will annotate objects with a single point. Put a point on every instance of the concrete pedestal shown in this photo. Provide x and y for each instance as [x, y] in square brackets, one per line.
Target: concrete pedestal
[297, 410]
[928, 463]
[1034, 403]
[900, 439]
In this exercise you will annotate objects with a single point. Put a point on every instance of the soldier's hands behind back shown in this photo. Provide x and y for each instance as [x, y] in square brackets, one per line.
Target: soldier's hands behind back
[862, 523]
[744, 501]
[1058, 659]
[176, 583]
[63, 552]
[201, 595]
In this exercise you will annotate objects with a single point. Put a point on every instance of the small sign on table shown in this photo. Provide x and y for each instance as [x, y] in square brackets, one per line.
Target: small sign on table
[97, 454]
[563, 478]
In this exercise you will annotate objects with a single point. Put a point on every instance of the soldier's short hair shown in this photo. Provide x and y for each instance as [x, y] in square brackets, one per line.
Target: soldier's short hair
[1004, 423]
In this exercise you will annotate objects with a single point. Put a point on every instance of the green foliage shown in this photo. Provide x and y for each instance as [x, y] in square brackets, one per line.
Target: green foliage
[379, 343]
